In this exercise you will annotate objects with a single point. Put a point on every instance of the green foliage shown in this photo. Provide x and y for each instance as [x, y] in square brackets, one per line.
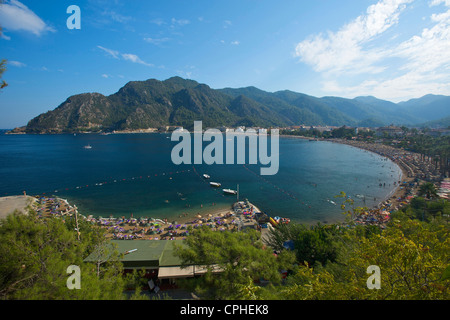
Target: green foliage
[312, 245]
[348, 208]
[315, 245]
[428, 189]
[328, 261]
[426, 210]
[2, 70]
[241, 258]
[343, 133]
[35, 254]
[412, 256]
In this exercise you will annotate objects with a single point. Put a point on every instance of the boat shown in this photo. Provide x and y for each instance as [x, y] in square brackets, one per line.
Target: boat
[206, 176]
[88, 147]
[229, 191]
[215, 184]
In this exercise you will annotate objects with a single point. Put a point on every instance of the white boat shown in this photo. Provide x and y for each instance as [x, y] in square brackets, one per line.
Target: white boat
[215, 184]
[229, 191]
[88, 147]
[206, 176]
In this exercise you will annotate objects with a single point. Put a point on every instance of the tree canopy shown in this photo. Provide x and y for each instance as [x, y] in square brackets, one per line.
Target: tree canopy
[240, 257]
[35, 254]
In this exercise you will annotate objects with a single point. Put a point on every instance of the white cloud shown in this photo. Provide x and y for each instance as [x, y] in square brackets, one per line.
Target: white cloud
[15, 16]
[16, 63]
[235, 43]
[227, 23]
[187, 71]
[181, 22]
[134, 58]
[125, 56]
[404, 87]
[343, 51]
[158, 21]
[156, 41]
[4, 36]
[428, 51]
[393, 71]
[117, 17]
[112, 53]
[438, 2]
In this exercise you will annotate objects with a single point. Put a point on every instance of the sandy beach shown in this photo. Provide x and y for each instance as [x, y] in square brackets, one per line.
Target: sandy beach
[239, 215]
[12, 203]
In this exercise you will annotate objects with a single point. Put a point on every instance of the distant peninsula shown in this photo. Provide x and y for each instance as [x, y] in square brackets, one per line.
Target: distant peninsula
[153, 104]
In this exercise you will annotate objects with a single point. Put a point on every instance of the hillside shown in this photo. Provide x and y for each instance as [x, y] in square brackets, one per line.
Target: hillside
[428, 108]
[178, 102]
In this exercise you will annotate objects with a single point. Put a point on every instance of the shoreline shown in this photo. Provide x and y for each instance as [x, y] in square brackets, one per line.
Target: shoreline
[396, 192]
[395, 199]
[241, 214]
[407, 186]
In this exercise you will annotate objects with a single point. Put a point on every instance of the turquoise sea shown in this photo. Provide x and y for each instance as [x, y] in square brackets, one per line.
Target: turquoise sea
[124, 174]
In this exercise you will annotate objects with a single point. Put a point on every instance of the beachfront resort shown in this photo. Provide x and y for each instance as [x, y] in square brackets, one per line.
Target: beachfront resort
[147, 243]
[243, 214]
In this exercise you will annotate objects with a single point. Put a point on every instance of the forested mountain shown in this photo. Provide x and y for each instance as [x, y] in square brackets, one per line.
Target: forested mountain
[178, 102]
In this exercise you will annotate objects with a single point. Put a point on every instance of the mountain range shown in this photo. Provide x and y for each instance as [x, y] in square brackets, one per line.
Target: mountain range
[178, 102]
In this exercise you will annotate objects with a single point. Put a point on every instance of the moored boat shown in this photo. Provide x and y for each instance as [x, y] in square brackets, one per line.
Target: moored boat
[206, 176]
[229, 191]
[215, 184]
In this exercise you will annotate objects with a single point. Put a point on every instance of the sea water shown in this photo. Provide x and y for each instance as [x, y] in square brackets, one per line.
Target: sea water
[132, 174]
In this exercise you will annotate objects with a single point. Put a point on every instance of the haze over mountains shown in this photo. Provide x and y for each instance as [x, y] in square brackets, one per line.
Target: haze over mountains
[178, 102]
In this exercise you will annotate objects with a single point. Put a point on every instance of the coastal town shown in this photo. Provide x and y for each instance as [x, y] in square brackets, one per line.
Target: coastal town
[416, 169]
[226, 158]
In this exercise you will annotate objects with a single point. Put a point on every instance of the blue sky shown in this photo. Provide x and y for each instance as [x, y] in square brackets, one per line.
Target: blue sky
[391, 49]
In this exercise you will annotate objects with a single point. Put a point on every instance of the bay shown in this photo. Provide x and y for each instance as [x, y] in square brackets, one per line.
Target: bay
[124, 174]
